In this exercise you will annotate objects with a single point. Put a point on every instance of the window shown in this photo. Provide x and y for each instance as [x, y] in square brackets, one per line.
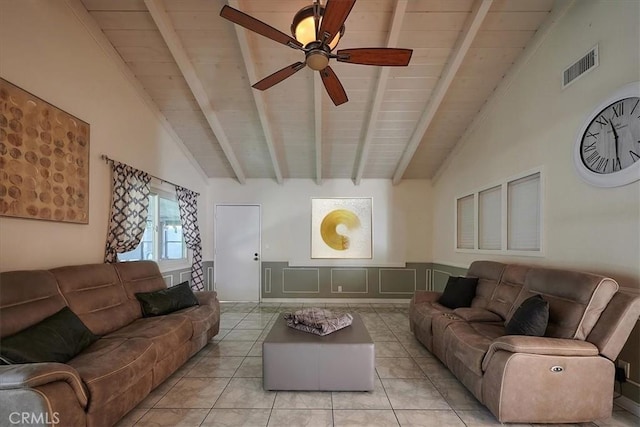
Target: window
[490, 218]
[509, 217]
[465, 222]
[163, 239]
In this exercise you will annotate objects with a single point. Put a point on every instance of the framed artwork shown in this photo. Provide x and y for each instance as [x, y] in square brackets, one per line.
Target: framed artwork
[44, 159]
[341, 228]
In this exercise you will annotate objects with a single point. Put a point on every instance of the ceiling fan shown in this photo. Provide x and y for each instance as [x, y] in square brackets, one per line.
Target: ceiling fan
[317, 30]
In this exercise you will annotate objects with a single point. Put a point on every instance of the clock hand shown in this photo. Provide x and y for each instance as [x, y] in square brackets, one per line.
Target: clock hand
[615, 136]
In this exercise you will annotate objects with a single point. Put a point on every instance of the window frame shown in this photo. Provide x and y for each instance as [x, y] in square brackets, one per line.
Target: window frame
[168, 193]
[504, 226]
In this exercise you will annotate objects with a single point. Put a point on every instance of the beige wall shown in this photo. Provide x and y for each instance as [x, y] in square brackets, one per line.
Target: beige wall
[401, 216]
[535, 124]
[47, 51]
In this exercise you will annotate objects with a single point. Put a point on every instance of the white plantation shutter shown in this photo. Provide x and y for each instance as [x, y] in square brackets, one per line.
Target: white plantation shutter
[490, 218]
[523, 218]
[465, 214]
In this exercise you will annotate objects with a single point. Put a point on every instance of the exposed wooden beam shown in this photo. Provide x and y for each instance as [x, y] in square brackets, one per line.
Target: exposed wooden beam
[101, 39]
[163, 22]
[261, 105]
[472, 25]
[317, 98]
[383, 78]
[560, 9]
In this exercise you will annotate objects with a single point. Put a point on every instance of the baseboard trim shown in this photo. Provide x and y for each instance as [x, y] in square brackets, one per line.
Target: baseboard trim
[340, 300]
[628, 404]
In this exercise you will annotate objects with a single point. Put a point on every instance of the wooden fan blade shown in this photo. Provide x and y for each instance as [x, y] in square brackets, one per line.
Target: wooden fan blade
[333, 86]
[335, 13]
[376, 56]
[279, 76]
[257, 26]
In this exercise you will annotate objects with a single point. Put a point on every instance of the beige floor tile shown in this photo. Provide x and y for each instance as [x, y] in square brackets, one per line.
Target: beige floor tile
[620, 419]
[398, 367]
[172, 418]
[256, 349]
[367, 418]
[303, 400]
[457, 395]
[433, 369]
[376, 399]
[415, 349]
[131, 418]
[243, 335]
[246, 393]
[251, 367]
[231, 348]
[428, 418]
[382, 335]
[481, 417]
[301, 417]
[237, 417]
[413, 394]
[193, 393]
[221, 367]
[390, 349]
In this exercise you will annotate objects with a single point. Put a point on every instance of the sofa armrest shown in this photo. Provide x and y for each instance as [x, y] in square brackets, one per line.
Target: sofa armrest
[206, 297]
[425, 296]
[31, 375]
[539, 345]
[473, 314]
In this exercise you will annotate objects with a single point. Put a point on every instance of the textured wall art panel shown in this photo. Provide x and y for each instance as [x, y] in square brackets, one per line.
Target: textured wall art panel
[341, 228]
[44, 159]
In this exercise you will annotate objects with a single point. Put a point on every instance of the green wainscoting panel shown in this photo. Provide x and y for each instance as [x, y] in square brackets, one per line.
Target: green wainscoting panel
[440, 273]
[174, 277]
[279, 280]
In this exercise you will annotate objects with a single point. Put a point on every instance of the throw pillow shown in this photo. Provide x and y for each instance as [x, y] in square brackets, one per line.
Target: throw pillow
[165, 301]
[57, 338]
[459, 292]
[531, 318]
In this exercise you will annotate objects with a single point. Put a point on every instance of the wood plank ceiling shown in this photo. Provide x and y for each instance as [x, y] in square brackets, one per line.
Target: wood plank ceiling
[399, 123]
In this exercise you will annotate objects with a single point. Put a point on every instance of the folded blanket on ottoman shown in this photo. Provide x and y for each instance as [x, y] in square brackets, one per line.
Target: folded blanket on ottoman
[317, 320]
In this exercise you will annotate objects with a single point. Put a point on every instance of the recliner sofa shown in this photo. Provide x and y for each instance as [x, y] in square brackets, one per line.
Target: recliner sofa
[566, 376]
[110, 377]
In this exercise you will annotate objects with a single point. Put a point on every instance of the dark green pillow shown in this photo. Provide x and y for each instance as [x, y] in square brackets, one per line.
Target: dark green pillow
[57, 338]
[459, 292]
[531, 318]
[165, 301]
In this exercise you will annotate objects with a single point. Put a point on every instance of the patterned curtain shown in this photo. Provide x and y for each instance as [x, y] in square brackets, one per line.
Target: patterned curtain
[188, 202]
[130, 201]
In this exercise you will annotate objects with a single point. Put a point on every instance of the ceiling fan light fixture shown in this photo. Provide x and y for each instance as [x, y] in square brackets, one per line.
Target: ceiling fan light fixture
[303, 28]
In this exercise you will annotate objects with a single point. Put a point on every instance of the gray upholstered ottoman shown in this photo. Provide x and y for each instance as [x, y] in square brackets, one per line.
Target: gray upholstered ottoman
[296, 360]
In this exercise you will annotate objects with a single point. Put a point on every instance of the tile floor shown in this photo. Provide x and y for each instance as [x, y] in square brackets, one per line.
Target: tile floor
[222, 384]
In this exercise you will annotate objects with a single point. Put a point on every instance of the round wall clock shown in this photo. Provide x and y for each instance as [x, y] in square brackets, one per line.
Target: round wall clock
[607, 148]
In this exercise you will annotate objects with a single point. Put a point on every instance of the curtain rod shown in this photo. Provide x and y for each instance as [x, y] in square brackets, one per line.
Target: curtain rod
[109, 159]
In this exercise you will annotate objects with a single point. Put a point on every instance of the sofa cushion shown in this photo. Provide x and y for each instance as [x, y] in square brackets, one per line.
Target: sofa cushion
[167, 332]
[459, 292]
[508, 289]
[202, 317]
[469, 342]
[576, 300]
[167, 300]
[55, 339]
[489, 274]
[531, 318]
[95, 294]
[27, 297]
[112, 365]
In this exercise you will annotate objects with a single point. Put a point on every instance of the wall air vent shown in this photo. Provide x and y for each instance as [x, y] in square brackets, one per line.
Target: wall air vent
[580, 67]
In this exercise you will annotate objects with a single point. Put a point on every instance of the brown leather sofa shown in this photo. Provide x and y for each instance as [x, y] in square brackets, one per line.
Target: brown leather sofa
[110, 377]
[567, 376]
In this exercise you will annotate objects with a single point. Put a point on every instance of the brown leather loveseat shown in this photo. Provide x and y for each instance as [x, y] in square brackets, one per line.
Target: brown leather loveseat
[133, 355]
[565, 376]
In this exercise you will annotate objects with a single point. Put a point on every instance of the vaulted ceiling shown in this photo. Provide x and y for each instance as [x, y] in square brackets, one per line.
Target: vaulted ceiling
[400, 122]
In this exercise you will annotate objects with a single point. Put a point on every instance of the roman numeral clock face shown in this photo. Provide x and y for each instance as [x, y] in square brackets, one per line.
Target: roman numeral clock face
[608, 148]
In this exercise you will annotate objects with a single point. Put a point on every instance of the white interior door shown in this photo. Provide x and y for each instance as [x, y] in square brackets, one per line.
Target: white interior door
[237, 252]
